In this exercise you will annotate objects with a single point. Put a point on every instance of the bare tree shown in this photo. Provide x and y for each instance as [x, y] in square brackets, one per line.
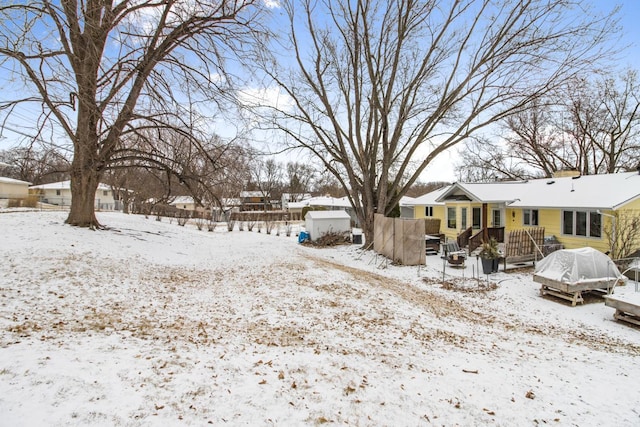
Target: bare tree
[33, 164]
[420, 188]
[605, 123]
[623, 233]
[267, 177]
[99, 69]
[592, 126]
[301, 177]
[210, 171]
[380, 88]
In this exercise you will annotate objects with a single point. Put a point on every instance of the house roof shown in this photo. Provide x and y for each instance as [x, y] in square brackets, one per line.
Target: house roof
[407, 201]
[428, 199]
[245, 194]
[182, 200]
[605, 191]
[5, 180]
[327, 215]
[64, 185]
[342, 202]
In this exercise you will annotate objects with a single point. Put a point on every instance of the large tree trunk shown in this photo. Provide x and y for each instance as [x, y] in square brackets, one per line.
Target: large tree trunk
[84, 183]
[367, 228]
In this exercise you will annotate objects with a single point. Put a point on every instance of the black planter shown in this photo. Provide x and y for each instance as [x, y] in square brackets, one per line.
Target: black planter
[496, 265]
[487, 265]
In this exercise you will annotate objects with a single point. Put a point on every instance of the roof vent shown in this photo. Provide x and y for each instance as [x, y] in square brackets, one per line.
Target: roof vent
[550, 182]
[576, 177]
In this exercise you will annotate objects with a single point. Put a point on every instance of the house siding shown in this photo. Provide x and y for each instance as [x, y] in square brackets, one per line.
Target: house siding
[51, 196]
[588, 193]
[438, 212]
[14, 190]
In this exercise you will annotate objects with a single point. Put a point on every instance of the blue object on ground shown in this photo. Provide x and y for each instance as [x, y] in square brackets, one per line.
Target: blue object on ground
[303, 237]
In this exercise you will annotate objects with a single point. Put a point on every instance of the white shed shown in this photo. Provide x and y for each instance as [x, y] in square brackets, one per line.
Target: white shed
[318, 223]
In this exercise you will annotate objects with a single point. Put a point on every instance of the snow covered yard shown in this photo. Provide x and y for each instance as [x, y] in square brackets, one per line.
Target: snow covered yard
[149, 323]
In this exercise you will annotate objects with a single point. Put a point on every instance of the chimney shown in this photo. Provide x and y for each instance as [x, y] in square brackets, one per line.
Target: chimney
[563, 173]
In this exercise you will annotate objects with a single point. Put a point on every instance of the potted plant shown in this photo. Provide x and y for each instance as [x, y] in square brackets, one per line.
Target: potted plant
[489, 255]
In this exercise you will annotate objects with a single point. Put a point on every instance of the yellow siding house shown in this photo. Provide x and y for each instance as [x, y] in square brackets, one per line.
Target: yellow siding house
[598, 211]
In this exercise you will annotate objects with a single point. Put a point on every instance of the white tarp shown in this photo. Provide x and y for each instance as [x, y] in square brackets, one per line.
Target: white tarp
[577, 265]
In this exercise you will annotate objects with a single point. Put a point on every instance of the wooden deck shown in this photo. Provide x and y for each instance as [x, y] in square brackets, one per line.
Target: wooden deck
[627, 310]
[572, 291]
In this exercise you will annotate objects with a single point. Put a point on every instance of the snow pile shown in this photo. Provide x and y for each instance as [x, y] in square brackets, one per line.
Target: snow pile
[150, 323]
[581, 265]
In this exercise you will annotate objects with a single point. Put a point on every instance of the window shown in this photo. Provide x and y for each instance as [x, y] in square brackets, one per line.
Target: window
[451, 217]
[463, 219]
[595, 224]
[530, 216]
[428, 211]
[105, 192]
[476, 217]
[57, 192]
[582, 223]
[567, 221]
[496, 218]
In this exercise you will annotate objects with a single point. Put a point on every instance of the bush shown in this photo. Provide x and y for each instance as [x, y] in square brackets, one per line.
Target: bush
[332, 238]
[489, 250]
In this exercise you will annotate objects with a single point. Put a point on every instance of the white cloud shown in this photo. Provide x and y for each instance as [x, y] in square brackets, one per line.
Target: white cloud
[266, 97]
[272, 4]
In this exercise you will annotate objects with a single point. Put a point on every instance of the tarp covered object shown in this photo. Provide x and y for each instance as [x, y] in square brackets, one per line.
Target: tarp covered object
[577, 266]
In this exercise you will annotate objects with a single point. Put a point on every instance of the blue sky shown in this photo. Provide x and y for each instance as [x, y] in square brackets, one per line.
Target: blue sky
[630, 22]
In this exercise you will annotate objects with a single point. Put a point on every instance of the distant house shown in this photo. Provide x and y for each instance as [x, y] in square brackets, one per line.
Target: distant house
[254, 201]
[325, 203]
[184, 202]
[575, 209]
[406, 207]
[13, 189]
[293, 198]
[59, 194]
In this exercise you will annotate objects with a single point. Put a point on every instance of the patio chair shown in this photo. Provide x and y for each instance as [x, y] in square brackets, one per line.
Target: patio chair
[453, 254]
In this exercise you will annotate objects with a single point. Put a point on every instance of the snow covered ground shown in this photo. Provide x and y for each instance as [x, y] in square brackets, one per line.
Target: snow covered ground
[150, 323]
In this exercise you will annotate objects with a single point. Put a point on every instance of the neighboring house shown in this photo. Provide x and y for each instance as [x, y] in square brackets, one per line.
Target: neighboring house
[184, 202]
[13, 189]
[325, 203]
[293, 198]
[254, 201]
[59, 193]
[406, 207]
[575, 209]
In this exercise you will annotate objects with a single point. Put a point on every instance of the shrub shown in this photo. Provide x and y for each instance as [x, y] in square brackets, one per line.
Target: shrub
[199, 223]
[332, 238]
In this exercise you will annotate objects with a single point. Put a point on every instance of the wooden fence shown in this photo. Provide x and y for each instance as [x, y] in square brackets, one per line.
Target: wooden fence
[523, 242]
[401, 240]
